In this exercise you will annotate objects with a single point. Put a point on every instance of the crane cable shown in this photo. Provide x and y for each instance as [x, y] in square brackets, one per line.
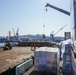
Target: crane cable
[44, 24]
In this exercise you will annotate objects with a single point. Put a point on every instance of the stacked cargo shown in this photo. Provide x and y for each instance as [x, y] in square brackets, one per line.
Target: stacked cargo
[47, 60]
[67, 60]
[67, 65]
[73, 65]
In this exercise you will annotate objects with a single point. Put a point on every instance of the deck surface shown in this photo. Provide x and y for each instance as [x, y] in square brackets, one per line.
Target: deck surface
[11, 58]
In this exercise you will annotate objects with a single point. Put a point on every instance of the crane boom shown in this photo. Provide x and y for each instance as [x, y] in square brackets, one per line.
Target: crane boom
[60, 29]
[61, 10]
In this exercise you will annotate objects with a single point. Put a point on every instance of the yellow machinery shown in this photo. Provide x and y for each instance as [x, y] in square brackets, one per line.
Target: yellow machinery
[7, 47]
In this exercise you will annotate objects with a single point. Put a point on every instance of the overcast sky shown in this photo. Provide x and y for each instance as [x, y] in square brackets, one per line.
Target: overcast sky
[30, 16]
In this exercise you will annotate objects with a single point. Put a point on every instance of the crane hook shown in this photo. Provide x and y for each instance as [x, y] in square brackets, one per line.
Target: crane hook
[46, 9]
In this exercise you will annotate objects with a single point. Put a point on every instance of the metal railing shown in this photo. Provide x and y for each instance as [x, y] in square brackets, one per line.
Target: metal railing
[22, 68]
